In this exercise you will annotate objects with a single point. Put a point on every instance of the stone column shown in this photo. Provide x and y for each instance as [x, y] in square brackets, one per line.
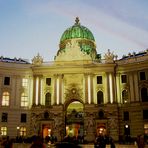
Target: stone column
[118, 92]
[39, 91]
[55, 89]
[136, 87]
[34, 89]
[107, 88]
[131, 83]
[86, 88]
[91, 88]
[111, 88]
[60, 88]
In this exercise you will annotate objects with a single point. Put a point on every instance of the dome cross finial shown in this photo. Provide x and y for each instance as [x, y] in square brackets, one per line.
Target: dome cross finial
[77, 21]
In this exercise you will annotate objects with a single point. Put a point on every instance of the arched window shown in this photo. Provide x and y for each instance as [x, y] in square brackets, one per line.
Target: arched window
[99, 97]
[48, 99]
[5, 99]
[24, 100]
[125, 96]
[144, 94]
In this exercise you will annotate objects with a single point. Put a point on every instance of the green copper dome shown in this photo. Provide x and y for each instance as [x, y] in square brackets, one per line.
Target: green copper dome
[81, 35]
[77, 31]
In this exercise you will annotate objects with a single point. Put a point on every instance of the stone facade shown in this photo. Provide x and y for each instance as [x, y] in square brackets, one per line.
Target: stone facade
[113, 94]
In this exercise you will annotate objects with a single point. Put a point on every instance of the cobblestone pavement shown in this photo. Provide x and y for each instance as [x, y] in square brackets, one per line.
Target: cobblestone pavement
[16, 145]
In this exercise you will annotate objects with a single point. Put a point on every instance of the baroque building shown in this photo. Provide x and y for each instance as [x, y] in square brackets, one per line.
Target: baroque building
[79, 94]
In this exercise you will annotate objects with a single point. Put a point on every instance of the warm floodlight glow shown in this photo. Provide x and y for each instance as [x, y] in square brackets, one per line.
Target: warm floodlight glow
[111, 88]
[41, 90]
[58, 90]
[89, 90]
[37, 90]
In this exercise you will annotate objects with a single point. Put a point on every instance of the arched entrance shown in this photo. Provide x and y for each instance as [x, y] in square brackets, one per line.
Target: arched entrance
[74, 120]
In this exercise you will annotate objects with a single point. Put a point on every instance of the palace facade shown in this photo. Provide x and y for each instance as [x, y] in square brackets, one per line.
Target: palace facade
[79, 94]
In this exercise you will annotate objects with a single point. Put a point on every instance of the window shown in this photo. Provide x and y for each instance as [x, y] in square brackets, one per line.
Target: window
[144, 94]
[46, 115]
[23, 117]
[7, 81]
[99, 97]
[99, 79]
[123, 78]
[24, 100]
[24, 82]
[3, 131]
[142, 75]
[5, 99]
[126, 116]
[125, 96]
[145, 114]
[22, 131]
[48, 99]
[101, 114]
[4, 117]
[48, 81]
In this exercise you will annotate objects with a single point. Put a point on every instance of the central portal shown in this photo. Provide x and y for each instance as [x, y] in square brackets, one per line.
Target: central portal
[75, 120]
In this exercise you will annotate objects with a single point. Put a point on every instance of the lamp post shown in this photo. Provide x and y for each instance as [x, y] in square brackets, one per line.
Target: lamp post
[18, 128]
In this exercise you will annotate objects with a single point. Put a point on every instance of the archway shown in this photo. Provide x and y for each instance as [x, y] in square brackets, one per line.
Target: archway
[74, 120]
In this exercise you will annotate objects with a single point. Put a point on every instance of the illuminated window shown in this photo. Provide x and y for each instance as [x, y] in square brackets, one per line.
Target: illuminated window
[48, 99]
[48, 81]
[7, 81]
[24, 100]
[99, 79]
[99, 97]
[4, 117]
[22, 131]
[3, 131]
[144, 94]
[125, 96]
[123, 78]
[5, 99]
[24, 82]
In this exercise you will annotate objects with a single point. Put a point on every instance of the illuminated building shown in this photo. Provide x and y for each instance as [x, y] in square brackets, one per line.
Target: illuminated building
[80, 93]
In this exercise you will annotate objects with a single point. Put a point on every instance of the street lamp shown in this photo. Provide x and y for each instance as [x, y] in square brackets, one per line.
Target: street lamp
[17, 130]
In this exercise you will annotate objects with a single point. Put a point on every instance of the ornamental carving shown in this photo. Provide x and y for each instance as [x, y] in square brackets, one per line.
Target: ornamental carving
[109, 57]
[73, 92]
[37, 60]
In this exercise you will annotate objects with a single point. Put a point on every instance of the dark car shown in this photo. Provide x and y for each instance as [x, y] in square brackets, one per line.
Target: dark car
[66, 145]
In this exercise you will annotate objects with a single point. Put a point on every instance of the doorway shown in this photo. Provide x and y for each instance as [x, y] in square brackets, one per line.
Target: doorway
[74, 120]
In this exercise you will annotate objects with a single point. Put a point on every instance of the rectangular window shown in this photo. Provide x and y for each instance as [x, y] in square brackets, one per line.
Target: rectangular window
[3, 131]
[145, 114]
[5, 99]
[48, 81]
[126, 116]
[124, 78]
[4, 117]
[99, 79]
[142, 75]
[24, 100]
[7, 81]
[24, 82]
[23, 117]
